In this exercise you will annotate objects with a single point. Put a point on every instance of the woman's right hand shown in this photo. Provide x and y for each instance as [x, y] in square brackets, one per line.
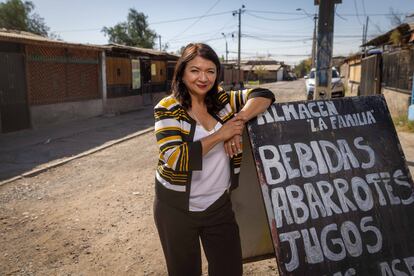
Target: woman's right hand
[231, 128]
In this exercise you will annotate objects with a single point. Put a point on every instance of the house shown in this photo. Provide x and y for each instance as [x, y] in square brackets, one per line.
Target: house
[350, 70]
[44, 81]
[393, 67]
[136, 76]
[264, 70]
[230, 77]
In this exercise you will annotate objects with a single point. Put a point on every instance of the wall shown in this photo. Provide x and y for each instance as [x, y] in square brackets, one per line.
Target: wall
[279, 74]
[123, 104]
[397, 102]
[158, 71]
[352, 73]
[43, 115]
[118, 71]
[57, 75]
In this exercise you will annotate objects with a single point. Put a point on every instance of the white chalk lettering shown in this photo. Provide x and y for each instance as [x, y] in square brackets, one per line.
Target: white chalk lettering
[291, 237]
[329, 254]
[272, 162]
[284, 149]
[298, 112]
[313, 253]
[326, 191]
[341, 187]
[314, 201]
[317, 157]
[367, 228]
[364, 200]
[354, 248]
[308, 167]
[281, 207]
[398, 267]
[348, 272]
[400, 178]
[297, 204]
[386, 178]
[333, 243]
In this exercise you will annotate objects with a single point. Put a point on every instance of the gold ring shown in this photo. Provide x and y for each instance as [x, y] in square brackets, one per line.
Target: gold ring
[233, 144]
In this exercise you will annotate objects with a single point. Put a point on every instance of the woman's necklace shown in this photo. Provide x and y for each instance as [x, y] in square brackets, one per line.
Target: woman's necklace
[192, 113]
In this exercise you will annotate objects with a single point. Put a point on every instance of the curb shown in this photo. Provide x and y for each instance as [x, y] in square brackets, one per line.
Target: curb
[83, 154]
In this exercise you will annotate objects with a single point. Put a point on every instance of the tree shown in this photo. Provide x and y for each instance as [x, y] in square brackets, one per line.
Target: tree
[180, 51]
[133, 32]
[18, 15]
[260, 71]
[303, 67]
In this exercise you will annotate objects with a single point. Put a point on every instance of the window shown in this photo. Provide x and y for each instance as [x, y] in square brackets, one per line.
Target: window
[153, 69]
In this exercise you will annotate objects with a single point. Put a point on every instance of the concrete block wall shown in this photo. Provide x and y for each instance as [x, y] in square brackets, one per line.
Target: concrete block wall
[397, 102]
[123, 104]
[50, 114]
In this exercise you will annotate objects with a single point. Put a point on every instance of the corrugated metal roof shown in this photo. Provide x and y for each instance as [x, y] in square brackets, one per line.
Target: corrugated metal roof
[30, 38]
[139, 50]
[405, 29]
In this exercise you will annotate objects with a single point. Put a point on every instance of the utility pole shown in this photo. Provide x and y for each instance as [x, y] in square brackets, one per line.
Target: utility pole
[315, 17]
[159, 38]
[239, 12]
[364, 34]
[324, 48]
[227, 51]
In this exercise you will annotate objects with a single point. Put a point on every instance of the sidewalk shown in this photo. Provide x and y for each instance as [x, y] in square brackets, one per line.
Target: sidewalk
[29, 150]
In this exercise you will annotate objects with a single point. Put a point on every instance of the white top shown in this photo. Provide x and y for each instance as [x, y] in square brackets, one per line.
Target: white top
[213, 180]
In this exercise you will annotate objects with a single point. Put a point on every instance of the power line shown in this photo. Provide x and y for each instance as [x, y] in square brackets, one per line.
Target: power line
[275, 40]
[297, 36]
[198, 19]
[356, 9]
[342, 14]
[189, 18]
[276, 19]
[183, 38]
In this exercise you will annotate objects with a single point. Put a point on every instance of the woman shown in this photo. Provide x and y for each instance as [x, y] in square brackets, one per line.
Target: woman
[198, 130]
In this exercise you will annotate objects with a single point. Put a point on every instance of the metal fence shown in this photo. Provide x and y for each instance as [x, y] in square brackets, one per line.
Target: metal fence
[398, 69]
[370, 76]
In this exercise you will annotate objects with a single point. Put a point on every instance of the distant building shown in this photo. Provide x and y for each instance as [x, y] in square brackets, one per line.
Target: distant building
[265, 71]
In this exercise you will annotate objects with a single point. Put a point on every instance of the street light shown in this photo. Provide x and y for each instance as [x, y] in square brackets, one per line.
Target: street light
[315, 17]
[227, 52]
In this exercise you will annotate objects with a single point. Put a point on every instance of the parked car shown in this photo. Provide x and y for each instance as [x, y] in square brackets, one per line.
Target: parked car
[337, 85]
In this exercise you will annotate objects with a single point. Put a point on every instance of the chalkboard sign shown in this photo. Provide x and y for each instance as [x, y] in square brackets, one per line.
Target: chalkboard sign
[338, 194]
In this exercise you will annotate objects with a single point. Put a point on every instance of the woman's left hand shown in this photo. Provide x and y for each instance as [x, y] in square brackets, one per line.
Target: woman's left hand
[233, 146]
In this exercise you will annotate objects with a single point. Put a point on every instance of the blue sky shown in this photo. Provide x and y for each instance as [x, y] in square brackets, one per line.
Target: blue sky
[270, 28]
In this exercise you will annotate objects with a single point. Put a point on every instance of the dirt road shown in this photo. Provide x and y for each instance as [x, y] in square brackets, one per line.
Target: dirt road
[93, 216]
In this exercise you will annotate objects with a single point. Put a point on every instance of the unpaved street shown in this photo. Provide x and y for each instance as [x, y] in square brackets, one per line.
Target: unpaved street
[93, 216]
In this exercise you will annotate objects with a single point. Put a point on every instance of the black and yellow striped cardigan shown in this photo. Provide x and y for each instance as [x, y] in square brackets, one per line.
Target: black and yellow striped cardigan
[179, 155]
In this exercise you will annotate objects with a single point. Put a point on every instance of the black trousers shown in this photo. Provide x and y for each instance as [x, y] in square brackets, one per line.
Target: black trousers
[180, 234]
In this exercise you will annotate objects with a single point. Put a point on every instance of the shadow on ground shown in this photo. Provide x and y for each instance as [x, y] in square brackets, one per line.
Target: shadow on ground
[26, 150]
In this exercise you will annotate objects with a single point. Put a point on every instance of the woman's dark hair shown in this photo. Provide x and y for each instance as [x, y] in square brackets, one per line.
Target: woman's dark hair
[178, 88]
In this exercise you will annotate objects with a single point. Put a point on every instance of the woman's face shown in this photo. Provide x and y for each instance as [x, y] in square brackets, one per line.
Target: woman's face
[199, 76]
